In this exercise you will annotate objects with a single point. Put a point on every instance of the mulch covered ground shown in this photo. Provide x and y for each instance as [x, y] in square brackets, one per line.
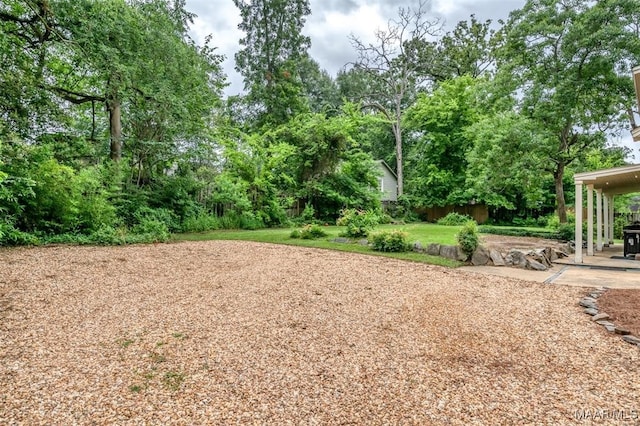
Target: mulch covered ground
[227, 332]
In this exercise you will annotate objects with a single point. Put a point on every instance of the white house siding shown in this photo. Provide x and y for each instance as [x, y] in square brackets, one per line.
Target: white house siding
[388, 182]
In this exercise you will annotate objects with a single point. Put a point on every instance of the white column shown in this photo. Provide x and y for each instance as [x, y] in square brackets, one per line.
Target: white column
[611, 220]
[590, 220]
[578, 233]
[605, 209]
[599, 220]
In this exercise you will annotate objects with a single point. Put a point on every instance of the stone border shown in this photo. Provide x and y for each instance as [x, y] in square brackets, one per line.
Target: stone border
[590, 305]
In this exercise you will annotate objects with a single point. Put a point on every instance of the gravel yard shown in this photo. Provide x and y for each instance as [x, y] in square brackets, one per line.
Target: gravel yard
[236, 332]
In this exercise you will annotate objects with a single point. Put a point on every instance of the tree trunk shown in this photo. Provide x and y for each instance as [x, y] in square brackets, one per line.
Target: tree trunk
[397, 132]
[558, 176]
[115, 129]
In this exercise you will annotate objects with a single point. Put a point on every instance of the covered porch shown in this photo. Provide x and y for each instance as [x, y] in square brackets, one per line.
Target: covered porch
[601, 186]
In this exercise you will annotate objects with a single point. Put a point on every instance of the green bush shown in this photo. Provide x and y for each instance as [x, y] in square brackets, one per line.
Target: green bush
[454, 219]
[151, 231]
[618, 223]
[296, 233]
[162, 215]
[307, 216]
[311, 232]
[200, 223]
[565, 232]
[94, 206]
[520, 232]
[389, 241]
[108, 235]
[11, 236]
[358, 222]
[468, 238]
[68, 238]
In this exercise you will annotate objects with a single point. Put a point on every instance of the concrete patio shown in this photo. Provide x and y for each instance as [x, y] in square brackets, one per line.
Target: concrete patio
[605, 268]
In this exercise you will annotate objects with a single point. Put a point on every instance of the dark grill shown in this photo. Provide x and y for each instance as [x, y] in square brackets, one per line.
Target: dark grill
[631, 236]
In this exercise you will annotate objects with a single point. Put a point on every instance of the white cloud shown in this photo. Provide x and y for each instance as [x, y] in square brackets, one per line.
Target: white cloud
[330, 25]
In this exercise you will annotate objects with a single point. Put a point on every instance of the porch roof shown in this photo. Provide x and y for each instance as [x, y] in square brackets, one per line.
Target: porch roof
[619, 180]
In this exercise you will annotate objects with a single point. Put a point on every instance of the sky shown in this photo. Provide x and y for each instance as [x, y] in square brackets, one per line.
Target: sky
[332, 22]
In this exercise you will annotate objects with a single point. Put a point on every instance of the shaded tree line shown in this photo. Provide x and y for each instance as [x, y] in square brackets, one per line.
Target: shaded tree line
[113, 121]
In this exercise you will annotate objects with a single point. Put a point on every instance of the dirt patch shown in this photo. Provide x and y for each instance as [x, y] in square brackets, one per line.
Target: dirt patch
[623, 306]
[235, 332]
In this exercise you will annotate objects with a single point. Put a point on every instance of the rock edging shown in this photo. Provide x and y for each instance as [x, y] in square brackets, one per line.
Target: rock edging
[536, 260]
[590, 305]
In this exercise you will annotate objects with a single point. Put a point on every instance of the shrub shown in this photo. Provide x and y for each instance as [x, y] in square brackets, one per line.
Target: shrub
[553, 221]
[358, 222]
[108, 235]
[148, 215]
[68, 238]
[389, 241]
[566, 231]
[307, 215]
[618, 223]
[520, 232]
[151, 231]
[14, 237]
[468, 238]
[311, 232]
[296, 233]
[200, 223]
[454, 219]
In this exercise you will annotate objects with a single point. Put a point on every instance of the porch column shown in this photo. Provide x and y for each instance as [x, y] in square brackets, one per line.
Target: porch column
[578, 231]
[599, 219]
[590, 220]
[612, 218]
[605, 209]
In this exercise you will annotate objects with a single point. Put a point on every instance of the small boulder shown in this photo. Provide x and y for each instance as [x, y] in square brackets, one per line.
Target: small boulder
[449, 252]
[341, 240]
[622, 331]
[517, 258]
[588, 302]
[496, 257]
[480, 257]
[600, 316]
[433, 249]
[453, 253]
[591, 311]
[631, 339]
[536, 266]
[417, 247]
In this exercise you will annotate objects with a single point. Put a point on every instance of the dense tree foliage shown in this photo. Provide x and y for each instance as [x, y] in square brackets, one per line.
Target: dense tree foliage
[114, 127]
[273, 48]
[570, 66]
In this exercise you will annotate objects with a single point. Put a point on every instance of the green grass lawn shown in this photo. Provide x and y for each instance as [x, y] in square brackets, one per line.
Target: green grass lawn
[424, 233]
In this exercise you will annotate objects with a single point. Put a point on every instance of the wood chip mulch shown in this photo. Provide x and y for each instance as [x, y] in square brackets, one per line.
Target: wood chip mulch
[227, 332]
[623, 306]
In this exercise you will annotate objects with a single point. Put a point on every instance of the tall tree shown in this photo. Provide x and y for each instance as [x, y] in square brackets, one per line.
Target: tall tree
[26, 30]
[467, 50]
[436, 158]
[568, 64]
[273, 47]
[391, 64]
[115, 53]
